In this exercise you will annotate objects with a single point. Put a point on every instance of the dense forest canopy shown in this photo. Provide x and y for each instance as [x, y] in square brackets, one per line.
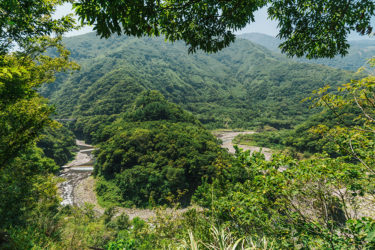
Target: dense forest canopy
[58, 144]
[242, 86]
[155, 154]
[359, 53]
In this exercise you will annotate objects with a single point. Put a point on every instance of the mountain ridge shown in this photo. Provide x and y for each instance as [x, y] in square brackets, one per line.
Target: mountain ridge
[243, 86]
[359, 53]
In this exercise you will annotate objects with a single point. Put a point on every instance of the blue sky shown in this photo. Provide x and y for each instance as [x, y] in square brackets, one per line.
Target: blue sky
[261, 24]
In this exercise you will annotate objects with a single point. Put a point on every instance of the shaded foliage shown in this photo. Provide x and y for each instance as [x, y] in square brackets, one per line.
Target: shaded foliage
[58, 144]
[29, 200]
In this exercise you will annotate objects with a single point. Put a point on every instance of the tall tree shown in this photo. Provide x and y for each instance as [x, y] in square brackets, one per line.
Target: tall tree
[27, 188]
[22, 21]
[27, 30]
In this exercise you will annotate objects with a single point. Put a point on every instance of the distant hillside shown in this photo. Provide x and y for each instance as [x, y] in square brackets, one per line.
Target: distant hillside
[245, 85]
[270, 42]
[360, 51]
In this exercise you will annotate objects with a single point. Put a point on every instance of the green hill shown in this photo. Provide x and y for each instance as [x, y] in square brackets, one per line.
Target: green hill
[360, 51]
[245, 85]
[152, 153]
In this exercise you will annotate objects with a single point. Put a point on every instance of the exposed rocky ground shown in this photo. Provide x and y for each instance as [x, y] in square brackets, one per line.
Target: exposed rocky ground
[76, 171]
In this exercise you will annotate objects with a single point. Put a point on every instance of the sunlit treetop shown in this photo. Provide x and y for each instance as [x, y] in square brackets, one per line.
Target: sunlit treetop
[22, 21]
[27, 30]
[312, 28]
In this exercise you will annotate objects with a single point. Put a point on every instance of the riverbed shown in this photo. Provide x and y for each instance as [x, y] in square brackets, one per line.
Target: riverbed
[76, 171]
[228, 136]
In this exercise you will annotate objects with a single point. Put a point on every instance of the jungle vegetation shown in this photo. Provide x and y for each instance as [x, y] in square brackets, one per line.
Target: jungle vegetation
[149, 143]
[58, 143]
[359, 53]
[243, 86]
[155, 154]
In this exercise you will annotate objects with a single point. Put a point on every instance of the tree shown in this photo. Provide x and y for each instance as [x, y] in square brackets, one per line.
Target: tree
[356, 141]
[21, 21]
[23, 112]
[28, 189]
[310, 28]
[320, 28]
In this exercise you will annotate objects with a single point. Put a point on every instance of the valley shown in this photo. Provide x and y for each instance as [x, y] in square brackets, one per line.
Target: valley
[166, 129]
[157, 118]
[244, 86]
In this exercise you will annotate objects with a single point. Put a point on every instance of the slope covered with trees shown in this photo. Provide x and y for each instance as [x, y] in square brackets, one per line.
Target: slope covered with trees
[154, 154]
[58, 143]
[359, 53]
[244, 85]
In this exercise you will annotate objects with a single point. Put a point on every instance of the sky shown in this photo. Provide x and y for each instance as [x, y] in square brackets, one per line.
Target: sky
[261, 25]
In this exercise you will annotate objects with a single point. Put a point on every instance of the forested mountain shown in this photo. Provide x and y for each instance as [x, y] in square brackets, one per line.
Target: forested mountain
[146, 107]
[359, 53]
[270, 42]
[244, 85]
